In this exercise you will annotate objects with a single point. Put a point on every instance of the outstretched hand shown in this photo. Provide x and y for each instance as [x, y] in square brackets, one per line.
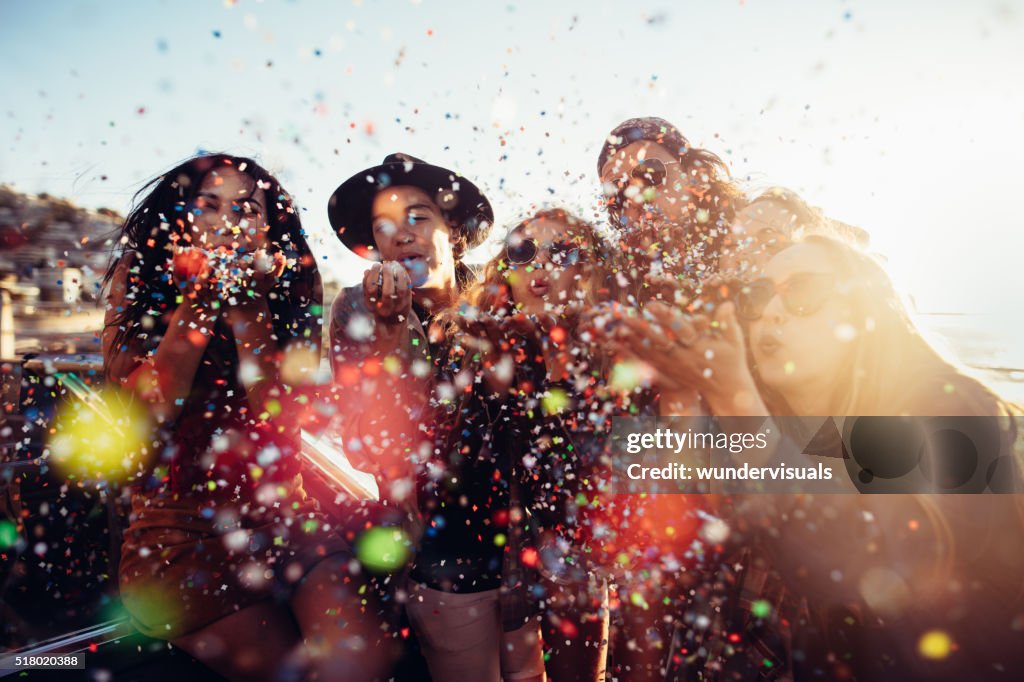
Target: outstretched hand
[702, 352]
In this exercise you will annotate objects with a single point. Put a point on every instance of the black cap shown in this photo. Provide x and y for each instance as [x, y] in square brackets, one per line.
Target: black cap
[650, 128]
[351, 206]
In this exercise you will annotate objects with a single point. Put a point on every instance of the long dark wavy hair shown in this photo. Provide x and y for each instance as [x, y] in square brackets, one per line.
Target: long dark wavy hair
[159, 218]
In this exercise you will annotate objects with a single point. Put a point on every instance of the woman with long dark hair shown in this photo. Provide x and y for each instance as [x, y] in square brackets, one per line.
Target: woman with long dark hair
[213, 325]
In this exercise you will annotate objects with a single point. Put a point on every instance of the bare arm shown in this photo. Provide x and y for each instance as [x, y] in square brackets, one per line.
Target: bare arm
[162, 380]
[258, 355]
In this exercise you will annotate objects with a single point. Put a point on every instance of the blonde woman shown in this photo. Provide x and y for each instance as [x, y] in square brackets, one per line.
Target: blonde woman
[892, 586]
[522, 321]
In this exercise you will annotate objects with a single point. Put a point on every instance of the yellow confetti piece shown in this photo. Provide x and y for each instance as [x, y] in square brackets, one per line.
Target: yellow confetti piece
[555, 401]
[392, 365]
[935, 644]
[627, 375]
[273, 407]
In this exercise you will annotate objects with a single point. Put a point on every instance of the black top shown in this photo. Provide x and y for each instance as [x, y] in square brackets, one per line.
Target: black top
[465, 507]
[463, 497]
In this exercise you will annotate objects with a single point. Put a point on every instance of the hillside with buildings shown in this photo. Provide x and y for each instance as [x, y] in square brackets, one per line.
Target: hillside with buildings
[52, 258]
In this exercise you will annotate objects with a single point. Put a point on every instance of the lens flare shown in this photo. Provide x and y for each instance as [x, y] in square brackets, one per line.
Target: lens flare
[157, 607]
[8, 534]
[100, 435]
[935, 644]
[299, 364]
[383, 549]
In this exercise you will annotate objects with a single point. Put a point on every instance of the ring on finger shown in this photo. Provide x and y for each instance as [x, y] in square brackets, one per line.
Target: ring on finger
[687, 342]
[665, 347]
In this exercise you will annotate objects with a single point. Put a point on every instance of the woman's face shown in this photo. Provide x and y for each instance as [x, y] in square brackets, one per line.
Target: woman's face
[230, 212]
[555, 276]
[803, 345]
[758, 232]
[409, 228]
[645, 193]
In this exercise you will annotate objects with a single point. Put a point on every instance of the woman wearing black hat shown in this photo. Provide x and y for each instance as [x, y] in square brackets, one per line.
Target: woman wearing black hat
[400, 382]
[416, 221]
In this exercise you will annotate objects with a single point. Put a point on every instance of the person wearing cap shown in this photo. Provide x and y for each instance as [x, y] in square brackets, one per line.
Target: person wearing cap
[671, 204]
[433, 453]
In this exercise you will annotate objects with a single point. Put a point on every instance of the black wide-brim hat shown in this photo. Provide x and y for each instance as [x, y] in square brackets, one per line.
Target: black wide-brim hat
[350, 208]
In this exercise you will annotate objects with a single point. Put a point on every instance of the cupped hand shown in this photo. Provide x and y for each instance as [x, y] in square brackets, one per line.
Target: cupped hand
[191, 272]
[705, 352]
[268, 268]
[387, 291]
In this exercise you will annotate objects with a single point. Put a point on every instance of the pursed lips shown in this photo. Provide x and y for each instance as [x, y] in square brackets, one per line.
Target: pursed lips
[769, 343]
[539, 287]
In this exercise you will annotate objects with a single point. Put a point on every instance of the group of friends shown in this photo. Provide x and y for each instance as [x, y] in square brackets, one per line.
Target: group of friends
[481, 398]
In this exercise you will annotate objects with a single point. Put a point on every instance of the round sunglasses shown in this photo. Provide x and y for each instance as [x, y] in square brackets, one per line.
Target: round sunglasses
[802, 294]
[524, 250]
[650, 173]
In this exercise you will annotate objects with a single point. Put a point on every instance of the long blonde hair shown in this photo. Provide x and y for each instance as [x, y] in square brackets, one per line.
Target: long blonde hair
[492, 293]
[889, 356]
[889, 360]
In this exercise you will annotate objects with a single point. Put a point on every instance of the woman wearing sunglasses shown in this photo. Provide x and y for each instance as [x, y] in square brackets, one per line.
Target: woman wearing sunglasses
[671, 204]
[823, 333]
[547, 387]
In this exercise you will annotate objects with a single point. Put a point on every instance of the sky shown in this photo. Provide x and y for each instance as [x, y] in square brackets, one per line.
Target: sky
[905, 118]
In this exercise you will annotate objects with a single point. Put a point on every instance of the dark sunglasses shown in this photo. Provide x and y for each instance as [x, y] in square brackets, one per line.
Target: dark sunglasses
[802, 295]
[523, 250]
[651, 172]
